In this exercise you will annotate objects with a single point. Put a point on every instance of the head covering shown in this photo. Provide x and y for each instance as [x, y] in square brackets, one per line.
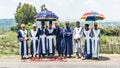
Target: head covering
[67, 22]
[77, 22]
[22, 25]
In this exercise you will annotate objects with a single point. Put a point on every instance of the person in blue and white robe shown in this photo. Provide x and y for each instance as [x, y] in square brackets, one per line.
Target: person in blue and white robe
[77, 35]
[88, 42]
[95, 41]
[23, 39]
[59, 39]
[34, 41]
[68, 48]
[42, 49]
[50, 32]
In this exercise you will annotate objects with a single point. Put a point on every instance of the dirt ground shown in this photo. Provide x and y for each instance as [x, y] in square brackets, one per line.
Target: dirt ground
[102, 58]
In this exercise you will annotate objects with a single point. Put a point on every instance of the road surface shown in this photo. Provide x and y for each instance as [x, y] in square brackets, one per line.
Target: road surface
[105, 61]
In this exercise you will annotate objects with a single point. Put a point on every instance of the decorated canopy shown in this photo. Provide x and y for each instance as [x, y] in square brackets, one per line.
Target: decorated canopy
[45, 15]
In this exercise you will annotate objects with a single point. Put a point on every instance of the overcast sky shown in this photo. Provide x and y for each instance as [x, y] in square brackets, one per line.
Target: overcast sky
[66, 9]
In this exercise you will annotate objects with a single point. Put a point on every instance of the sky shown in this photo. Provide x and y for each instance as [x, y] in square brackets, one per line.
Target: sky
[66, 9]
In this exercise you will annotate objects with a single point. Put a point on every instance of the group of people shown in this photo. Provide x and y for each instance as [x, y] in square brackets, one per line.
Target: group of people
[45, 41]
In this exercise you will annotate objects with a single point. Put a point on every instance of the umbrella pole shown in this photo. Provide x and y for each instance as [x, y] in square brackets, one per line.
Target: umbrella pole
[92, 26]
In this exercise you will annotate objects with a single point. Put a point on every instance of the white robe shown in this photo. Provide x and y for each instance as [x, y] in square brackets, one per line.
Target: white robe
[77, 34]
[50, 40]
[33, 39]
[95, 43]
[87, 38]
[24, 33]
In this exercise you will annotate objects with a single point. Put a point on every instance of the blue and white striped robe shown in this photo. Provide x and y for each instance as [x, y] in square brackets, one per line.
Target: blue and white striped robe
[33, 42]
[50, 41]
[23, 43]
[42, 47]
[88, 44]
[95, 42]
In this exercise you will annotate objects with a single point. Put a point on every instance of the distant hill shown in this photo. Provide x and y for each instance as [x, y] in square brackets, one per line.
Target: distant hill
[7, 23]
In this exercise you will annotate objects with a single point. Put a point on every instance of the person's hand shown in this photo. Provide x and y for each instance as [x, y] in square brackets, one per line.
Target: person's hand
[78, 38]
[75, 40]
[23, 38]
[27, 38]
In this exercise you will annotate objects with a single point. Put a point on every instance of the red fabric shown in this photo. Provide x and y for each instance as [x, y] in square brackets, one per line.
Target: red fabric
[51, 59]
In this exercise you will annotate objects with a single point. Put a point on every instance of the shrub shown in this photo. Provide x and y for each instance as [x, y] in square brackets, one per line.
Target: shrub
[103, 39]
[29, 27]
[108, 31]
[62, 24]
[14, 28]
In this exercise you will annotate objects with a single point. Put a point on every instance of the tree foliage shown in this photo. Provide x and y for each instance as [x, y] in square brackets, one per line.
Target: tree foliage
[25, 13]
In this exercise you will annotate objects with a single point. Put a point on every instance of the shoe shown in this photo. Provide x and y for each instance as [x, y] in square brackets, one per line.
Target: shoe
[23, 58]
[82, 58]
[65, 57]
[69, 56]
[77, 57]
[95, 58]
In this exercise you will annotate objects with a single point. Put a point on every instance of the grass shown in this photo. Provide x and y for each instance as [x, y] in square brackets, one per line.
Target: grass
[8, 43]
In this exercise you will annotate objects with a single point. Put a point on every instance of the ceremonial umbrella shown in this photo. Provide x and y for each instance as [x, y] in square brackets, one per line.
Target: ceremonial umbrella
[46, 15]
[92, 16]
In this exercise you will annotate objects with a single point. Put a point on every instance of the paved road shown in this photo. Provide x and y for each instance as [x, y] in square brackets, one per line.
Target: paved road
[106, 61]
[60, 65]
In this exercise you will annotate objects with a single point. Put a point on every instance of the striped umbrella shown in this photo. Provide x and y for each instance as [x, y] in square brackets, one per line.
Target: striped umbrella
[46, 15]
[92, 16]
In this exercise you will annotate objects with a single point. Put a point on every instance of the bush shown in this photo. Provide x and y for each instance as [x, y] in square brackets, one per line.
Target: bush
[29, 27]
[14, 28]
[103, 39]
[108, 31]
[62, 24]
[17, 27]
[72, 24]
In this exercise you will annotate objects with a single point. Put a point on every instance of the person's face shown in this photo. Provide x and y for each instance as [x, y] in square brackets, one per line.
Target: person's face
[50, 25]
[23, 28]
[67, 24]
[86, 27]
[56, 24]
[95, 25]
[77, 24]
[34, 27]
[43, 24]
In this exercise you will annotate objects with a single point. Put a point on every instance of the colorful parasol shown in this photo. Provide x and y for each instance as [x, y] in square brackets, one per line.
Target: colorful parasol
[92, 16]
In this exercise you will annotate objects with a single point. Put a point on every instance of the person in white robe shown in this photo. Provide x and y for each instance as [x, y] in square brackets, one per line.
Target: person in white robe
[50, 32]
[88, 42]
[23, 41]
[95, 41]
[34, 41]
[42, 47]
[77, 35]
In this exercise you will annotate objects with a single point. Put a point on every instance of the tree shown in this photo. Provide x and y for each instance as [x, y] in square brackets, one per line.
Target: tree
[25, 13]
